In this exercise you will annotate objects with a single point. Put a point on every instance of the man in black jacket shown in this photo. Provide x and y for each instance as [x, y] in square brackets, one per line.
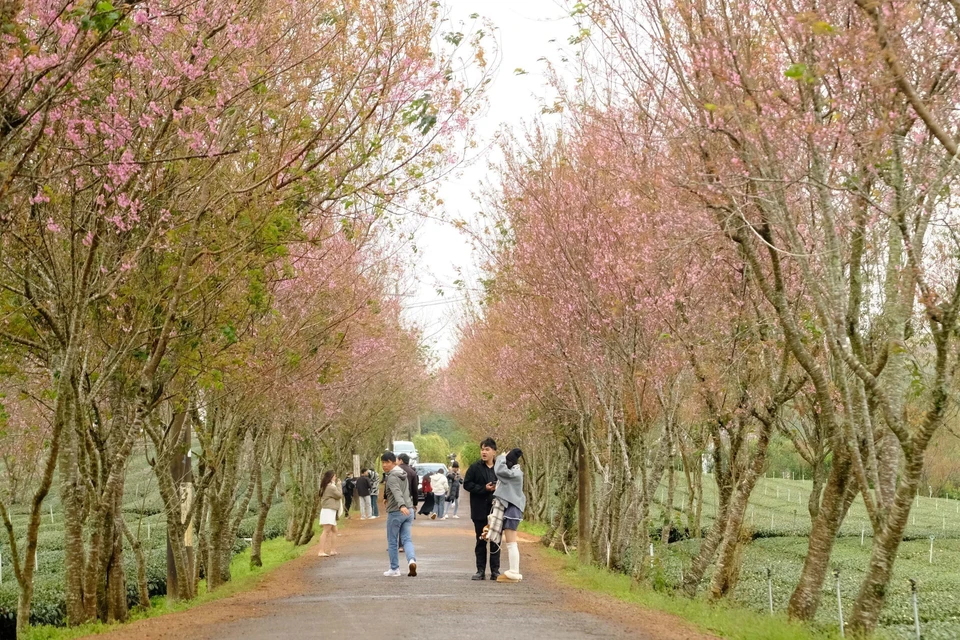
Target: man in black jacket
[480, 482]
[363, 494]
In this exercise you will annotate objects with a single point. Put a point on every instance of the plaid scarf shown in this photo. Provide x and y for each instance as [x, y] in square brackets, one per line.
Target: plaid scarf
[494, 530]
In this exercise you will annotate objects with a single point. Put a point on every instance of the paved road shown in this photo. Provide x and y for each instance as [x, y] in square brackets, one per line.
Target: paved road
[348, 596]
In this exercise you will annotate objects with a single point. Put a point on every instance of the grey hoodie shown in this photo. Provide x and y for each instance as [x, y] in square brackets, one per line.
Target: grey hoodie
[510, 485]
[397, 493]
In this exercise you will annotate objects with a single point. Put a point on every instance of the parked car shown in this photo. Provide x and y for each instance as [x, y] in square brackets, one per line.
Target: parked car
[405, 446]
[424, 469]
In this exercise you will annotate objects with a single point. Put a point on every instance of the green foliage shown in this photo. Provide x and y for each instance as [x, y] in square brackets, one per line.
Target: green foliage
[725, 621]
[273, 553]
[432, 448]
[48, 607]
[469, 453]
[446, 427]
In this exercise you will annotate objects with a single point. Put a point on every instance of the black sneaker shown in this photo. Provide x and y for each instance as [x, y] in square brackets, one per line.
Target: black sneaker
[478, 576]
[494, 575]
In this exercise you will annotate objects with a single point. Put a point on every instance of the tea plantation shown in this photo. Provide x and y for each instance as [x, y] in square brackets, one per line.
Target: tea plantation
[780, 523]
[143, 512]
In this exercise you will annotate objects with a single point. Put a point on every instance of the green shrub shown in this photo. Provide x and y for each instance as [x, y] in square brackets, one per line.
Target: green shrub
[432, 448]
[469, 453]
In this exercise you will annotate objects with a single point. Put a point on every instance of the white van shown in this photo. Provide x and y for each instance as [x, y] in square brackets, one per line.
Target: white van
[405, 446]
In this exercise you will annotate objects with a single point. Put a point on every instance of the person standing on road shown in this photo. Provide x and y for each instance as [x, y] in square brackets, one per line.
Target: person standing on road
[363, 494]
[453, 494]
[330, 496]
[399, 516]
[374, 492]
[349, 486]
[510, 491]
[439, 483]
[480, 482]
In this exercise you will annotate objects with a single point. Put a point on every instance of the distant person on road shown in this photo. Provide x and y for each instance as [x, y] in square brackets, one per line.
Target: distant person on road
[363, 493]
[349, 486]
[453, 494]
[428, 499]
[510, 491]
[330, 497]
[440, 486]
[480, 482]
[399, 516]
[404, 462]
[374, 492]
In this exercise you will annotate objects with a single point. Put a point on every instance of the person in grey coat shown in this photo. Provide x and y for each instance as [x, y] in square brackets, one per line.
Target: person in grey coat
[399, 515]
[510, 490]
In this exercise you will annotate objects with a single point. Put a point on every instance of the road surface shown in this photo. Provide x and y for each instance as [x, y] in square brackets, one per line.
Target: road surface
[348, 597]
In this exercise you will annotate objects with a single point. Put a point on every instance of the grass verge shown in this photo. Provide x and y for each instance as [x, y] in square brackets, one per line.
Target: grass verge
[723, 620]
[273, 553]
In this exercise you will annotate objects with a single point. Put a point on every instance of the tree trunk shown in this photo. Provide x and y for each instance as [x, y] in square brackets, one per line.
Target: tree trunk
[668, 505]
[76, 598]
[143, 587]
[873, 588]
[584, 503]
[727, 572]
[837, 496]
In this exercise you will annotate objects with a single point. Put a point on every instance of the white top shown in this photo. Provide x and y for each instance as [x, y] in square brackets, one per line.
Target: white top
[439, 483]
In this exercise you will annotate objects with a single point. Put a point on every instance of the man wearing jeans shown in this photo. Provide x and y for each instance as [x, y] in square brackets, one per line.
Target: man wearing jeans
[399, 515]
[363, 493]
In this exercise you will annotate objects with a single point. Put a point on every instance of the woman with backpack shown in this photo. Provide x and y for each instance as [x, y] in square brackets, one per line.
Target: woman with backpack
[330, 497]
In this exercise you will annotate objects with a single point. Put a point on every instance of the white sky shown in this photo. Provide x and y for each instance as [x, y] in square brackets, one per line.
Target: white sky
[524, 31]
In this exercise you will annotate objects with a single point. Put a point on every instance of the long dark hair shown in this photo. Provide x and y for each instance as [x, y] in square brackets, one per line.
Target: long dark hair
[327, 478]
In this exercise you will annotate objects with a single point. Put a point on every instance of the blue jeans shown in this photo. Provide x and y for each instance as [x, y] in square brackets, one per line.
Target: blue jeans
[439, 505]
[456, 505]
[399, 526]
[373, 504]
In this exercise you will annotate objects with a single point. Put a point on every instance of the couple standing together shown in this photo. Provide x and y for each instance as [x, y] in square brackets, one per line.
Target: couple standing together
[495, 484]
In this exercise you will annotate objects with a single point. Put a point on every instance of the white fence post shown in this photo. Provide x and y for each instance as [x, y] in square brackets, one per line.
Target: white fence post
[916, 611]
[770, 589]
[836, 574]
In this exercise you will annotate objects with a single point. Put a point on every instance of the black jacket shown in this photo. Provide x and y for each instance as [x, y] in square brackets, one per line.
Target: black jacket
[454, 480]
[413, 480]
[363, 486]
[475, 482]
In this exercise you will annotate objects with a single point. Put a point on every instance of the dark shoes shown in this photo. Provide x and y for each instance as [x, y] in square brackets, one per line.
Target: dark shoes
[479, 576]
[494, 575]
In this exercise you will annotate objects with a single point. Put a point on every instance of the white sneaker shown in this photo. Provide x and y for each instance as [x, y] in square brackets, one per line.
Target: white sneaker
[392, 573]
[445, 517]
[374, 517]
[456, 517]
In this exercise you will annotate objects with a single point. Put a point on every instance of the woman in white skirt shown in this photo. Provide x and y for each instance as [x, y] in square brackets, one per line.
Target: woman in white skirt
[330, 496]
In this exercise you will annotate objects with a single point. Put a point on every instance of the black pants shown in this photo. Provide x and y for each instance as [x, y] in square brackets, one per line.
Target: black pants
[481, 550]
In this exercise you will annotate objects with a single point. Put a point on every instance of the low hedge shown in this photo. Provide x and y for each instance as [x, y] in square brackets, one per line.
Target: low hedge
[48, 606]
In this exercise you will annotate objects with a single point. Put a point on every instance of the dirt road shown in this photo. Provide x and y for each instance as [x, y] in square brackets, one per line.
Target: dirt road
[348, 596]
